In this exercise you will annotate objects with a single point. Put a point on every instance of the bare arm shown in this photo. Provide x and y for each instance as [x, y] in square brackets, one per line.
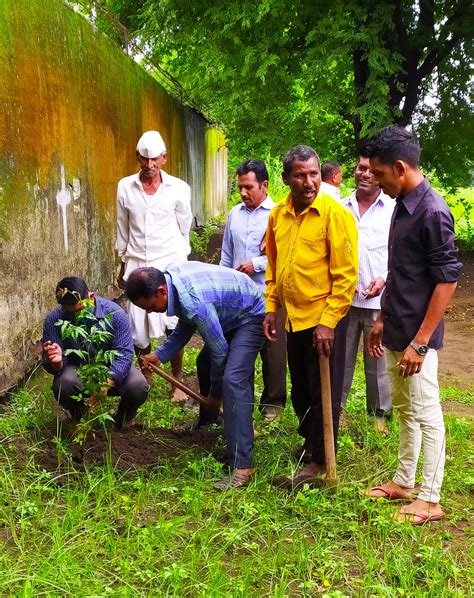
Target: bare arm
[271, 295]
[410, 362]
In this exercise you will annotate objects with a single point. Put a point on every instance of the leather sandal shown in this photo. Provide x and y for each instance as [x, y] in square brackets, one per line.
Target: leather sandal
[236, 479]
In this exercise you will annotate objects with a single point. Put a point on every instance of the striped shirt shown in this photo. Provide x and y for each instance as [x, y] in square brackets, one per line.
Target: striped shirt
[121, 340]
[373, 227]
[212, 300]
[244, 232]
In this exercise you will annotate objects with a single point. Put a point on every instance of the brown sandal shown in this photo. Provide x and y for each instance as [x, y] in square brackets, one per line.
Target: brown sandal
[236, 479]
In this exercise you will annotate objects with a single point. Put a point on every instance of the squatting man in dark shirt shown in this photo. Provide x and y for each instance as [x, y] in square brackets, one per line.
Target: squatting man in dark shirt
[423, 269]
[124, 380]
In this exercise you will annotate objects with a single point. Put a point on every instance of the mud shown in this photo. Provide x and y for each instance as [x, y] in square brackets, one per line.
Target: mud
[132, 448]
[456, 365]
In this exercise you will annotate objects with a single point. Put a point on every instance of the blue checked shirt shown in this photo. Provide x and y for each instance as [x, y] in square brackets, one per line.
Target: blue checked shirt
[243, 234]
[212, 300]
[121, 338]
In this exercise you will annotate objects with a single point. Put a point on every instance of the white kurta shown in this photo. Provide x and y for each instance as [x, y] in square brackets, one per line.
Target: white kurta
[152, 230]
[331, 191]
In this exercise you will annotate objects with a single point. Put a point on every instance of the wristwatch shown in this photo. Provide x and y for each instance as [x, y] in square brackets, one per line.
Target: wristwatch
[420, 349]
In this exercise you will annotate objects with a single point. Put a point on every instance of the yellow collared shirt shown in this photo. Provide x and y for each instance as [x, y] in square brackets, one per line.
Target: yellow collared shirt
[312, 262]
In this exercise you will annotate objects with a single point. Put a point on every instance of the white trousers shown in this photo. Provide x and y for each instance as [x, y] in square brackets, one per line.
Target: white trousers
[154, 325]
[421, 420]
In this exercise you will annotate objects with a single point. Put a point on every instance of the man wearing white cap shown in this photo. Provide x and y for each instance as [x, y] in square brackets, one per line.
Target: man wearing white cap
[153, 222]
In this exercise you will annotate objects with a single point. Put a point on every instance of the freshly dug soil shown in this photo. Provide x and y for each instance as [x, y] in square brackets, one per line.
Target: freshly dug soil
[132, 448]
[456, 365]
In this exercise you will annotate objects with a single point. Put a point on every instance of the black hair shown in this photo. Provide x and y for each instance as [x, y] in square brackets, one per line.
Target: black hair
[143, 283]
[256, 166]
[71, 290]
[391, 144]
[328, 169]
[301, 153]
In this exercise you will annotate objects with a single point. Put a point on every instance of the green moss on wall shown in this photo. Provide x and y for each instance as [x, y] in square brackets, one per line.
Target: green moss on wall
[73, 107]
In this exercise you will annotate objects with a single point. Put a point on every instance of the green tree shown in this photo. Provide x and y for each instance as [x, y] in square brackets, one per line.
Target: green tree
[276, 72]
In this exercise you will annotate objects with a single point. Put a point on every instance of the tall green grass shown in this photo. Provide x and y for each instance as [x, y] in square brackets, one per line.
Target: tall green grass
[166, 532]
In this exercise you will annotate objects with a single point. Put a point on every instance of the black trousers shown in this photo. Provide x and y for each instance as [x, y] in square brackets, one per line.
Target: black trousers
[133, 392]
[303, 363]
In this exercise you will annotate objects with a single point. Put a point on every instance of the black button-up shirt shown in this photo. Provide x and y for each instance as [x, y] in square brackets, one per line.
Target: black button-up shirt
[421, 254]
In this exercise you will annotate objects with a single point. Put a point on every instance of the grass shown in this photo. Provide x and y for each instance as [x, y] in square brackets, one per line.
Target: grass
[167, 533]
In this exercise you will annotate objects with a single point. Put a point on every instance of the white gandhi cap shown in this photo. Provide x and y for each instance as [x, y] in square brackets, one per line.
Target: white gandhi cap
[151, 145]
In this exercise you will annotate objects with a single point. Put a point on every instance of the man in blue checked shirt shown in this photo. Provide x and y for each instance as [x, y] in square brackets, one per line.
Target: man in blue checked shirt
[243, 248]
[124, 380]
[227, 309]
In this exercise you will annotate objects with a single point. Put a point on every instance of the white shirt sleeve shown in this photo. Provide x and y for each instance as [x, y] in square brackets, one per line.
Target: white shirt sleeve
[260, 263]
[184, 215]
[122, 225]
[227, 249]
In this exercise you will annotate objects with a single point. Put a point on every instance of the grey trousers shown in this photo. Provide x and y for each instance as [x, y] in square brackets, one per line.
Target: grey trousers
[245, 343]
[133, 392]
[377, 389]
[273, 356]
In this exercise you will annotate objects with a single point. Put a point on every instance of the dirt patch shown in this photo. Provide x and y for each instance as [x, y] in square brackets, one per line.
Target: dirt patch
[457, 409]
[459, 532]
[132, 448]
[455, 360]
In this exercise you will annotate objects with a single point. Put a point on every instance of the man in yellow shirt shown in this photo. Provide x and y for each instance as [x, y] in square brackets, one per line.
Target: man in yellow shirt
[312, 273]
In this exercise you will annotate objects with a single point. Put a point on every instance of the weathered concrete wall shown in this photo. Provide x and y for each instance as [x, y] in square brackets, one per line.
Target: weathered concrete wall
[72, 107]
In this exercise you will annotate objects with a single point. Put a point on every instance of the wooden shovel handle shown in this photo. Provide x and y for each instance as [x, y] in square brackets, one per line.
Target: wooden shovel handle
[172, 380]
[328, 429]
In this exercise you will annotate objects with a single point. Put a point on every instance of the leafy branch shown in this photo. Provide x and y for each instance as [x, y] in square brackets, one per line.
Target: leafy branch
[93, 333]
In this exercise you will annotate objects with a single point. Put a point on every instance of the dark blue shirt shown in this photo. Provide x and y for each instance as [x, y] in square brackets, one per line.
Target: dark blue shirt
[421, 254]
[121, 340]
[212, 300]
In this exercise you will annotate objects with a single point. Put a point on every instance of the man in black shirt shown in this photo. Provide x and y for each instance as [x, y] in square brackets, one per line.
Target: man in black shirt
[423, 269]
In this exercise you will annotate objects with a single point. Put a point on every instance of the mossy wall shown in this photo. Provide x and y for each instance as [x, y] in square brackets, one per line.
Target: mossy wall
[72, 108]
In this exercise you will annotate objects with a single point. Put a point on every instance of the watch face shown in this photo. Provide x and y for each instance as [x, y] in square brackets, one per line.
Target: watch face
[423, 350]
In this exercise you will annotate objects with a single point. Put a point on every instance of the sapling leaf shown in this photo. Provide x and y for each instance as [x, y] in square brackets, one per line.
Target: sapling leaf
[105, 416]
[65, 325]
[78, 352]
[87, 315]
[94, 334]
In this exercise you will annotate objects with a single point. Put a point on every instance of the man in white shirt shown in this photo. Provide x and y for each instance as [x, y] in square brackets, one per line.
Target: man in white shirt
[331, 179]
[243, 248]
[372, 210]
[153, 222]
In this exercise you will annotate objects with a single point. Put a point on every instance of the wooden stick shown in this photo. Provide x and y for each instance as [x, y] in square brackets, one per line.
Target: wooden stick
[328, 430]
[172, 380]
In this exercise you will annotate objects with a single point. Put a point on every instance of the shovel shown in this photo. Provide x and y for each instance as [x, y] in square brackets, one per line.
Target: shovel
[328, 430]
[172, 380]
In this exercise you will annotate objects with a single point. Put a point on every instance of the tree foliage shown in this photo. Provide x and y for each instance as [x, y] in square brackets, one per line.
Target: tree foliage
[281, 72]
